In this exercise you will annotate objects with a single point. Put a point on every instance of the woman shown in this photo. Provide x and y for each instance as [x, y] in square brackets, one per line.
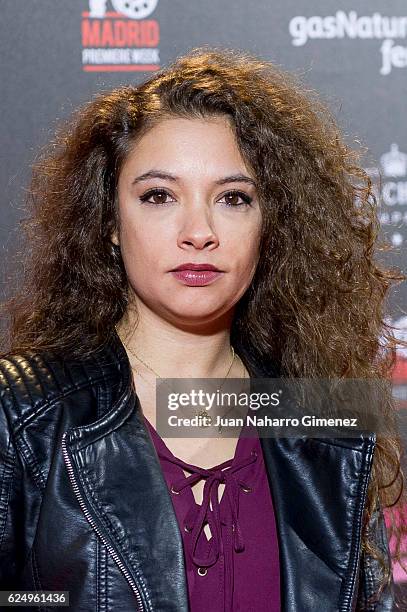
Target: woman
[218, 160]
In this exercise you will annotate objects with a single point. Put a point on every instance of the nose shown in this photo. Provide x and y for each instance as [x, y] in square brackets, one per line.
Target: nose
[198, 230]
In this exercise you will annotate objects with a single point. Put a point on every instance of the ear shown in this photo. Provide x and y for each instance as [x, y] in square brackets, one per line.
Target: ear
[115, 238]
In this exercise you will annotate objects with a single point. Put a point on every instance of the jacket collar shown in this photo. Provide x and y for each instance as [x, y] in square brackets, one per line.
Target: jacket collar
[318, 488]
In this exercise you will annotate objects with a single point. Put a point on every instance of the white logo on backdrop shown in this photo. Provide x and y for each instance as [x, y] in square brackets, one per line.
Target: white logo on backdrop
[394, 163]
[350, 25]
[393, 193]
[135, 9]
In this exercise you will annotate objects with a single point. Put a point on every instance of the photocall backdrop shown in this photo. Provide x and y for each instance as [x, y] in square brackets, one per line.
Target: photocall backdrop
[56, 54]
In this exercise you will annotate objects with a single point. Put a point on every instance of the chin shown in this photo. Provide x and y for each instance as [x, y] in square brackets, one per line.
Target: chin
[192, 316]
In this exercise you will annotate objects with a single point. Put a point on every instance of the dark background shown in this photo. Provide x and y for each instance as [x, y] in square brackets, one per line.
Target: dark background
[44, 76]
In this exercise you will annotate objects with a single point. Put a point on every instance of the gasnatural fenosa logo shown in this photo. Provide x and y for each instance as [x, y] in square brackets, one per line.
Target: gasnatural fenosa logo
[122, 39]
[353, 26]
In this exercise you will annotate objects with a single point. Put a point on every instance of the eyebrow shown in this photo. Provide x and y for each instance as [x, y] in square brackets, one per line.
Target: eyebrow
[233, 178]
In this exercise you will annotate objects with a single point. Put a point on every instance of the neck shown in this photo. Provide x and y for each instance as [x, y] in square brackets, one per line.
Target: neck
[176, 351]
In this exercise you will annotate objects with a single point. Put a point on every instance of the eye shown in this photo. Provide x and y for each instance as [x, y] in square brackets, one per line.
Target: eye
[161, 194]
[233, 196]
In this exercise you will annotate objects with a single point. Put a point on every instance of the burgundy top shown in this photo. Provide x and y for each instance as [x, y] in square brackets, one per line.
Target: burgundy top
[237, 569]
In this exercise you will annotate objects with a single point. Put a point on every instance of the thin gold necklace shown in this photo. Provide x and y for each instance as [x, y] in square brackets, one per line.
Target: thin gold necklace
[202, 412]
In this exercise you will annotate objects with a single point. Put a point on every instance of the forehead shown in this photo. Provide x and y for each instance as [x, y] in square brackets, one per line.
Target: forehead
[188, 127]
[207, 145]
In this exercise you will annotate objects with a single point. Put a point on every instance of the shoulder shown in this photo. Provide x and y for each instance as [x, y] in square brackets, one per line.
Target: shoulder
[32, 381]
[41, 385]
[43, 394]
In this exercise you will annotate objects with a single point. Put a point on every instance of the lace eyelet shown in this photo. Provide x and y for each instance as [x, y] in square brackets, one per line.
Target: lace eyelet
[174, 491]
[202, 571]
[187, 529]
[246, 489]
[254, 453]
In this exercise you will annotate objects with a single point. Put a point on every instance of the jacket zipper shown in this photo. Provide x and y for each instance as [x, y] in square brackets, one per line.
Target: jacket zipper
[350, 599]
[95, 527]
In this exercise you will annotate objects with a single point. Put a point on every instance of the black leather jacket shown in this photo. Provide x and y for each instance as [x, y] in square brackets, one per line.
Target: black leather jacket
[84, 506]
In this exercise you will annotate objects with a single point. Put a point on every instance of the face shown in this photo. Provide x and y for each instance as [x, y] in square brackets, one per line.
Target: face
[185, 196]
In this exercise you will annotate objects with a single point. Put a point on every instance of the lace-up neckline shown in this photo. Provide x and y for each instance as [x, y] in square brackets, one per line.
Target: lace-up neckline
[227, 474]
[217, 514]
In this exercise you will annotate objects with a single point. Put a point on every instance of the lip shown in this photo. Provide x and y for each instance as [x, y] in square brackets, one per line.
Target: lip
[196, 278]
[197, 266]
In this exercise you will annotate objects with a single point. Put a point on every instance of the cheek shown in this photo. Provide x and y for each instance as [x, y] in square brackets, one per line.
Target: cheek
[244, 249]
[145, 252]
[136, 249]
[249, 262]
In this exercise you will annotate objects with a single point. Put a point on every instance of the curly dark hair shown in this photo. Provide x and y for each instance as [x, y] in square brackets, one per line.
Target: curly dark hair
[316, 302]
